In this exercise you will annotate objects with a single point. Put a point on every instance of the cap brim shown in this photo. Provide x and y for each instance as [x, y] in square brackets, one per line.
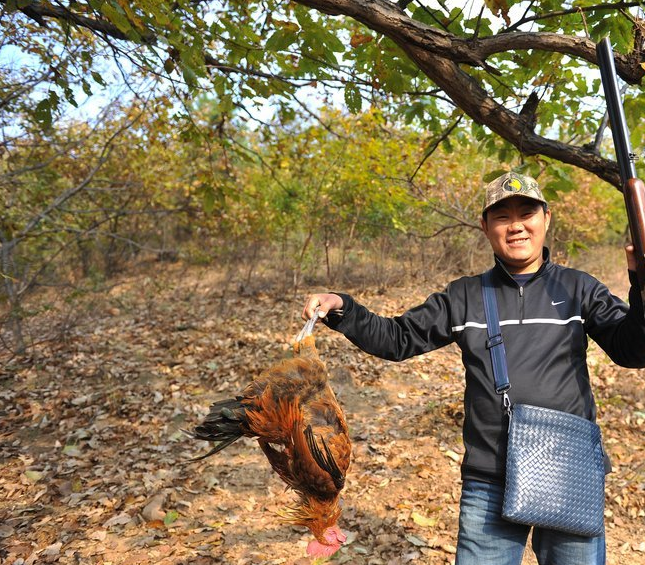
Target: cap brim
[507, 196]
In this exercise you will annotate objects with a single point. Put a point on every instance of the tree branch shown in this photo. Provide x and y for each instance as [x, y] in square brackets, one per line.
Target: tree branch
[444, 135]
[70, 192]
[524, 19]
[438, 55]
[384, 17]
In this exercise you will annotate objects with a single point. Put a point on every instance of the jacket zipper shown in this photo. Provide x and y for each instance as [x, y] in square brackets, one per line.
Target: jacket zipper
[521, 305]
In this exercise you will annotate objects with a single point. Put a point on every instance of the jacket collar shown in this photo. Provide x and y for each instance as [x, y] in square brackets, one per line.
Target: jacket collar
[502, 271]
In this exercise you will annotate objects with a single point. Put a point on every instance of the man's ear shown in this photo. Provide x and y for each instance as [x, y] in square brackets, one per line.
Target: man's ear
[547, 219]
[484, 225]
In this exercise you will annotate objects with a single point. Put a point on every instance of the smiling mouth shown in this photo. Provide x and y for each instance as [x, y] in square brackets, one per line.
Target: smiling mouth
[517, 241]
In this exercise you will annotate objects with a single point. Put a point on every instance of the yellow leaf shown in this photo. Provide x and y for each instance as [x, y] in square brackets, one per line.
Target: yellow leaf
[423, 521]
[290, 26]
[497, 6]
[359, 39]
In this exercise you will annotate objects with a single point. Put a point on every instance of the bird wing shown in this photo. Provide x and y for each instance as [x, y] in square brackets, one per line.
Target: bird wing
[326, 461]
[322, 443]
[307, 444]
[319, 465]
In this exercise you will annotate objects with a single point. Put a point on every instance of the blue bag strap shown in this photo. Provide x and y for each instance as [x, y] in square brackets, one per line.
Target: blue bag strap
[495, 342]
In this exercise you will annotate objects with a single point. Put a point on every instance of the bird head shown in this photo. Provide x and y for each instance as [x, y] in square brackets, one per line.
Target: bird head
[320, 516]
[333, 539]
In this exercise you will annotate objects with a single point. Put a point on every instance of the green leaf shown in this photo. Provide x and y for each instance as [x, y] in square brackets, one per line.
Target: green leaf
[208, 198]
[69, 96]
[303, 16]
[332, 42]
[189, 76]
[160, 17]
[281, 39]
[43, 113]
[116, 16]
[86, 87]
[489, 177]
[98, 78]
[394, 81]
[171, 516]
[169, 65]
[554, 186]
[226, 104]
[353, 98]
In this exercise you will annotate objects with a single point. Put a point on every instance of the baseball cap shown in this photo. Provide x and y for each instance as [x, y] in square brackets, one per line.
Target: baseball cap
[512, 184]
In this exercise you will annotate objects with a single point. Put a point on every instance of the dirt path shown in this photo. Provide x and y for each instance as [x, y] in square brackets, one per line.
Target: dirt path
[94, 466]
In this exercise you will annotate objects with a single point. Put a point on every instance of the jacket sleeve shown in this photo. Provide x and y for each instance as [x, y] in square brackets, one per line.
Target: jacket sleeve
[617, 327]
[423, 328]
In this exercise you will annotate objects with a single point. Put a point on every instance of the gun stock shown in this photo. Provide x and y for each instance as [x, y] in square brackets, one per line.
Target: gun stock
[634, 191]
[632, 187]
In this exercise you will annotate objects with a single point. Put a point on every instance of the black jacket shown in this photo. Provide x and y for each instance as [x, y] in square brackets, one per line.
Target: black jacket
[544, 324]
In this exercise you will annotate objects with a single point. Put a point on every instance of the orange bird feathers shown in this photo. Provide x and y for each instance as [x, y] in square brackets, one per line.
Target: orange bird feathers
[293, 413]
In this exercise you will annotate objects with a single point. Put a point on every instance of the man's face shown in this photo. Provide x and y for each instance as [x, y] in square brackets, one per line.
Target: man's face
[516, 228]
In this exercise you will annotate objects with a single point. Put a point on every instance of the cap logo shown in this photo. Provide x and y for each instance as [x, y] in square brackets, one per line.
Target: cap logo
[513, 185]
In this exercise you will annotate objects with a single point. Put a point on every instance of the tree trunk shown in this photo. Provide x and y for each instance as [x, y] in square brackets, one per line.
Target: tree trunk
[8, 274]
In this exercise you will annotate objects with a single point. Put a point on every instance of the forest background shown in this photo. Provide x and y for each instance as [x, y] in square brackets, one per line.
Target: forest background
[176, 177]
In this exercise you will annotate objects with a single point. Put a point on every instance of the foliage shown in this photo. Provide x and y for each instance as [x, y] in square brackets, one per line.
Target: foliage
[589, 214]
[528, 58]
[314, 197]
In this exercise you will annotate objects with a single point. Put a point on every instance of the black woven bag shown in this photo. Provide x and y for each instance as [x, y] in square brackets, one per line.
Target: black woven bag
[555, 473]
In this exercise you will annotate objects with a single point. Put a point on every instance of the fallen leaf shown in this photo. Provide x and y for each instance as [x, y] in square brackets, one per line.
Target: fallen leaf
[118, 520]
[98, 535]
[72, 451]
[423, 521]
[416, 541]
[448, 548]
[33, 476]
[170, 517]
[153, 510]
[53, 550]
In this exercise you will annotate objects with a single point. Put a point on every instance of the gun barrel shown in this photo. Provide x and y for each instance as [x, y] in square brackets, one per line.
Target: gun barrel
[619, 129]
[633, 188]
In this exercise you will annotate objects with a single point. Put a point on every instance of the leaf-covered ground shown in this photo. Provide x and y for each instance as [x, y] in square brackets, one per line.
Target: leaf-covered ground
[95, 470]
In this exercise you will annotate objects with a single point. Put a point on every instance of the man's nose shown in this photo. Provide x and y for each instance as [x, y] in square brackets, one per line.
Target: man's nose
[517, 226]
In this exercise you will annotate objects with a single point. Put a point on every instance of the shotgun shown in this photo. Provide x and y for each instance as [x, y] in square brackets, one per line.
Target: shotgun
[632, 187]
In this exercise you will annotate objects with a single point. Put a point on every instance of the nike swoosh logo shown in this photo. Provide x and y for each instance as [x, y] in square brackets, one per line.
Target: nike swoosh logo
[556, 303]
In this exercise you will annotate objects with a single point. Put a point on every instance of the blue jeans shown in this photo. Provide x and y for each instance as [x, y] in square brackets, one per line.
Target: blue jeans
[485, 538]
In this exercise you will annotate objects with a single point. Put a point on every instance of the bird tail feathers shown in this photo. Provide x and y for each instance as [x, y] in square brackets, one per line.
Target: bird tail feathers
[224, 425]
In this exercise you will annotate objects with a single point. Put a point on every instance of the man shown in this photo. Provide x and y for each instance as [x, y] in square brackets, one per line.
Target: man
[546, 313]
